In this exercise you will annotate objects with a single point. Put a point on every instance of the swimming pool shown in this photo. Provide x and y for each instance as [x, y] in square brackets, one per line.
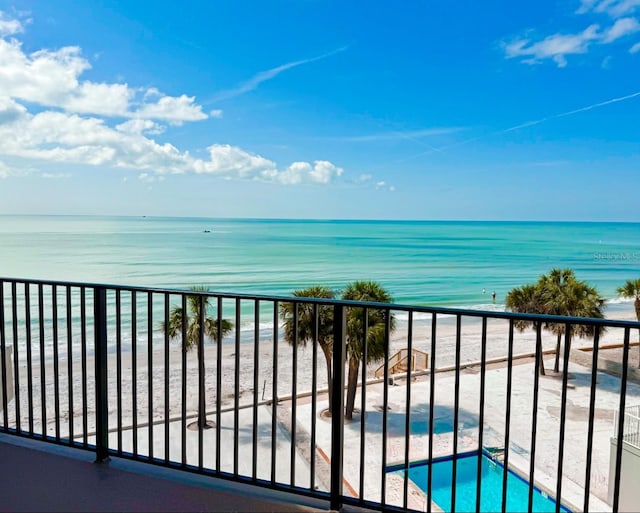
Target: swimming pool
[466, 479]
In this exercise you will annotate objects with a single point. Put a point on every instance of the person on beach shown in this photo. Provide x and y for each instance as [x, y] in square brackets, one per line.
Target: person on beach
[493, 296]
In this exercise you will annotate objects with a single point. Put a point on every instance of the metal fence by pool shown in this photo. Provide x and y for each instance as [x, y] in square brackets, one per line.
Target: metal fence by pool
[281, 392]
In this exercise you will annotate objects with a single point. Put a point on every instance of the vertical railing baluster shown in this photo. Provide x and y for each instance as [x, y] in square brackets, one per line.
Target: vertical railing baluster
[407, 419]
[69, 362]
[43, 374]
[256, 375]
[134, 370]
[56, 356]
[202, 414]
[219, 387]
[456, 413]
[483, 379]
[236, 388]
[432, 384]
[563, 415]
[150, 373]
[166, 379]
[621, 408]
[274, 393]
[385, 407]
[102, 401]
[314, 394]
[592, 405]
[27, 315]
[16, 357]
[294, 398]
[119, 367]
[337, 405]
[83, 342]
[507, 428]
[363, 402]
[539, 364]
[3, 364]
[183, 399]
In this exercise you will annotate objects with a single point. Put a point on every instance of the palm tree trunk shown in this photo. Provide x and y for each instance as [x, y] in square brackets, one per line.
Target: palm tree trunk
[556, 365]
[539, 349]
[202, 409]
[352, 385]
[326, 349]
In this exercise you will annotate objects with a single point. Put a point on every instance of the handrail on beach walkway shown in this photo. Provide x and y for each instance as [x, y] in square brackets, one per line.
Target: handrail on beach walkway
[108, 369]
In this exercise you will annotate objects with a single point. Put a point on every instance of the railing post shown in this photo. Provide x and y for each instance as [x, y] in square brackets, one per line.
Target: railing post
[337, 405]
[100, 330]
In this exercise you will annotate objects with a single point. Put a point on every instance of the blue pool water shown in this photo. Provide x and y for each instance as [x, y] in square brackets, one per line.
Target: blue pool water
[466, 479]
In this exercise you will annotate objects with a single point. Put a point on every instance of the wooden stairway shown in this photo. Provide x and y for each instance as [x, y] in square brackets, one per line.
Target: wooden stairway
[400, 362]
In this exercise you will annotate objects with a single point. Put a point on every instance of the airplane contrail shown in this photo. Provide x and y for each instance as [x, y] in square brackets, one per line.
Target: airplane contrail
[527, 124]
[263, 76]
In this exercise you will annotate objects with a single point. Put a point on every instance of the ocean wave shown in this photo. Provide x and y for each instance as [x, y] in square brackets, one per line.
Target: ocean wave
[619, 300]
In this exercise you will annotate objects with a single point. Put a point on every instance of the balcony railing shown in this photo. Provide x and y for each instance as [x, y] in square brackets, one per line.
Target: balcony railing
[630, 425]
[93, 366]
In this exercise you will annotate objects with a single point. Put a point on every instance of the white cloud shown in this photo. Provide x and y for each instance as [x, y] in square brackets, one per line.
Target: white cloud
[55, 176]
[324, 171]
[70, 138]
[621, 28]
[216, 113]
[364, 177]
[321, 172]
[172, 109]
[614, 8]
[635, 48]
[9, 27]
[383, 185]
[140, 126]
[51, 78]
[149, 178]
[558, 46]
[73, 123]
[554, 47]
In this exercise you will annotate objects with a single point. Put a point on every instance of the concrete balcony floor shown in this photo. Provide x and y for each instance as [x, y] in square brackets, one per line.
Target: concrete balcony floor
[38, 476]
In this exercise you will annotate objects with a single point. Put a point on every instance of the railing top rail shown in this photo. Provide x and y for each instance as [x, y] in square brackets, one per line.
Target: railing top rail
[463, 312]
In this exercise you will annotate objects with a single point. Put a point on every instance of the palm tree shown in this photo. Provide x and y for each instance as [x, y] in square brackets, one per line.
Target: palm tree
[376, 332]
[196, 308]
[562, 294]
[525, 299]
[631, 289]
[307, 323]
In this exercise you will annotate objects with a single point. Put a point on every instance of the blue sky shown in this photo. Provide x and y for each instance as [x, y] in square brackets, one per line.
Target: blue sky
[321, 109]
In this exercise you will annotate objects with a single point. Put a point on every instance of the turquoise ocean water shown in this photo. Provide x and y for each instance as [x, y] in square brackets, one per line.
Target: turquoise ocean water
[420, 262]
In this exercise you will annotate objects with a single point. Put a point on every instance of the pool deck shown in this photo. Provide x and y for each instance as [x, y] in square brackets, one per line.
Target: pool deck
[548, 430]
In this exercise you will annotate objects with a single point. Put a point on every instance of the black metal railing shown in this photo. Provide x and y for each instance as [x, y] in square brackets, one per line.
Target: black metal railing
[98, 367]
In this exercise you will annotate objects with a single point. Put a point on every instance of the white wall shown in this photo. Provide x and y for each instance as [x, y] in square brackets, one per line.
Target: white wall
[629, 476]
